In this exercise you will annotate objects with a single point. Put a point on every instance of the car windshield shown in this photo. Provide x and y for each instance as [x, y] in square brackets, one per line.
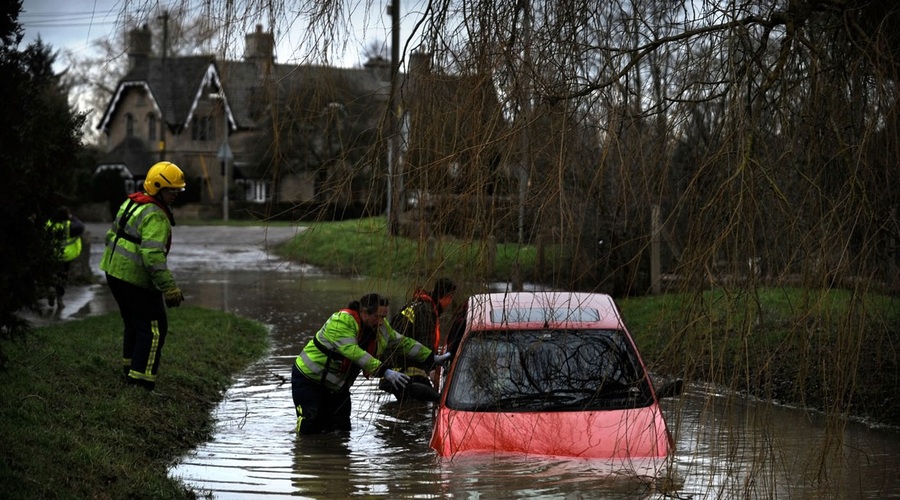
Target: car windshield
[547, 370]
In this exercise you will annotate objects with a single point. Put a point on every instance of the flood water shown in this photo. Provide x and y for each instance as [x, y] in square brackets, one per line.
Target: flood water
[726, 446]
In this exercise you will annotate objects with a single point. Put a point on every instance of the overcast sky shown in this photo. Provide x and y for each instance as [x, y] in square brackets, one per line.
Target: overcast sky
[74, 24]
[68, 23]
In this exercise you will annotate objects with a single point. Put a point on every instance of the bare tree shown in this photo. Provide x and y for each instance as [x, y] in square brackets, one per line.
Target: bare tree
[764, 133]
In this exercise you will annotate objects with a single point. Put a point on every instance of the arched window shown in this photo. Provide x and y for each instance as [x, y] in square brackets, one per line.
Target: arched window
[129, 125]
[151, 127]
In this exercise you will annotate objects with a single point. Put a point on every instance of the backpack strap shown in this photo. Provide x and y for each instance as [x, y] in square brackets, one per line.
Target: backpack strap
[130, 209]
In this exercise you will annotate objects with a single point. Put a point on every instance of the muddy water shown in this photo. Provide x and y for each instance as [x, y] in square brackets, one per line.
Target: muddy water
[726, 446]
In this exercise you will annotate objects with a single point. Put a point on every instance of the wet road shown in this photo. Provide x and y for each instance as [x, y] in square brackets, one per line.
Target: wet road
[726, 445]
[195, 250]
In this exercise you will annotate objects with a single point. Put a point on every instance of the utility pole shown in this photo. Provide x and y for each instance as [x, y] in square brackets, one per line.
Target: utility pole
[225, 155]
[162, 119]
[393, 189]
[524, 118]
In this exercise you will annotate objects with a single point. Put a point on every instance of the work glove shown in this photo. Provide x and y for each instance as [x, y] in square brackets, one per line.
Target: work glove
[397, 379]
[442, 359]
[173, 297]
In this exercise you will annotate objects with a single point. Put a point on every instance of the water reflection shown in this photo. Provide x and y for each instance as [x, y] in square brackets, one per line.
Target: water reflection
[728, 445]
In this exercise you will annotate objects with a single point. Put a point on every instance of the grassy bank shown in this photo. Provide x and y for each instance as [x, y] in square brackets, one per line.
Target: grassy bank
[834, 350]
[362, 246]
[70, 428]
[831, 349]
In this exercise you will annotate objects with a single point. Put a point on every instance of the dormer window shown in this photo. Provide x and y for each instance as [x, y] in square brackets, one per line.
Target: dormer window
[129, 125]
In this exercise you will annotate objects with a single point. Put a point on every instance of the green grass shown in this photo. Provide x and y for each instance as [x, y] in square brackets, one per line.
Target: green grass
[363, 247]
[72, 429]
[829, 349]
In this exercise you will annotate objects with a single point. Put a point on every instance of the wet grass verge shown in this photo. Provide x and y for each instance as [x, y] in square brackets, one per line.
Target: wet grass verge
[833, 350]
[70, 428]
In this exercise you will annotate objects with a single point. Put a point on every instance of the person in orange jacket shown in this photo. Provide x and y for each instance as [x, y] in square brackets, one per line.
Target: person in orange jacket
[353, 340]
[420, 318]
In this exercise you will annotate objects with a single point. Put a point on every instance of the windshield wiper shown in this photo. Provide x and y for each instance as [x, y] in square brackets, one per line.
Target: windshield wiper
[538, 401]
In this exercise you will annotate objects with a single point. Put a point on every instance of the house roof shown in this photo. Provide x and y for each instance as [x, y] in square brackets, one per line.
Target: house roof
[255, 91]
[175, 85]
[242, 84]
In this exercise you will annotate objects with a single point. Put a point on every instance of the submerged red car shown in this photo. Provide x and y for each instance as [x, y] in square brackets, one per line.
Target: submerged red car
[548, 373]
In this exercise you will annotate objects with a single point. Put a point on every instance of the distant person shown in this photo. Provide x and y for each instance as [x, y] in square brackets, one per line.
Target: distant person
[352, 340]
[137, 271]
[420, 318]
[67, 230]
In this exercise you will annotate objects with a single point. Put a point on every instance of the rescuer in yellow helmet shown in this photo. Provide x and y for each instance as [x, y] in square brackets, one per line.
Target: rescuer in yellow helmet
[135, 262]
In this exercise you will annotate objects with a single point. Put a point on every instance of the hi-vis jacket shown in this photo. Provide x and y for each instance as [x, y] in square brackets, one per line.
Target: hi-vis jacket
[71, 244]
[138, 242]
[326, 359]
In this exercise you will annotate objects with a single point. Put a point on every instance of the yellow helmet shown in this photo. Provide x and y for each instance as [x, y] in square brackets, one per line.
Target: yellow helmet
[164, 174]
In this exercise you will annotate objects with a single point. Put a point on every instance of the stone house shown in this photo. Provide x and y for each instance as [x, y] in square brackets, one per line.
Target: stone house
[211, 117]
[255, 131]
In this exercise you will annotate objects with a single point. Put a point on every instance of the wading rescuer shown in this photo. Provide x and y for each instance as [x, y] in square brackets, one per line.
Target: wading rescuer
[352, 340]
[135, 262]
[420, 318]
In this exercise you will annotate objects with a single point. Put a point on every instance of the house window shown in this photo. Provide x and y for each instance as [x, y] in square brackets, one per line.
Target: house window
[254, 190]
[151, 127]
[201, 128]
[129, 125]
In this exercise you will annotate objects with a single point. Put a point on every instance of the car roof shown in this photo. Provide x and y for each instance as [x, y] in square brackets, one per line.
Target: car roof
[525, 310]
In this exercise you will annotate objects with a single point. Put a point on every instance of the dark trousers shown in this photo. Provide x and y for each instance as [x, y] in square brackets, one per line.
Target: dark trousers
[61, 280]
[143, 313]
[318, 409]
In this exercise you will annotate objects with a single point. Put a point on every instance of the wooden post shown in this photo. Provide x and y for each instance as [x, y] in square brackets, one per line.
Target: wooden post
[655, 278]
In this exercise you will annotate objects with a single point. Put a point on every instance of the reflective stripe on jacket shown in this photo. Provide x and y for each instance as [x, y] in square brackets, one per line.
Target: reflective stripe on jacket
[71, 244]
[339, 334]
[136, 248]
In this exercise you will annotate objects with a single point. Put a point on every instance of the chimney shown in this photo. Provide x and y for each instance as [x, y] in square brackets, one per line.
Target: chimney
[259, 47]
[419, 64]
[379, 67]
[139, 45]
